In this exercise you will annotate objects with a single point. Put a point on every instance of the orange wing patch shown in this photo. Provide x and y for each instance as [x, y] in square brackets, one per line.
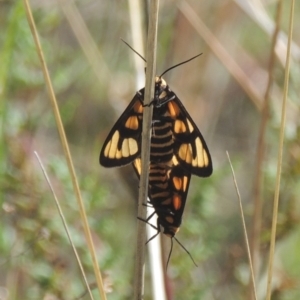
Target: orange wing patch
[179, 126]
[177, 202]
[177, 181]
[173, 109]
[180, 183]
[138, 108]
[132, 123]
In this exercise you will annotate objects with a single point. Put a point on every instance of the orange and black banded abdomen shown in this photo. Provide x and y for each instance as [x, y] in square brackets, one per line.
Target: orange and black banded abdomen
[167, 193]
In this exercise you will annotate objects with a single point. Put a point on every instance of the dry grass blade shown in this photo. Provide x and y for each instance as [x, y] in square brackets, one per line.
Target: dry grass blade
[220, 52]
[65, 224]
[145, 155]
[136, 26]
[257, 11]
[85, 40]
[65, 148]
[255, 243]
[280, 152]
[244, 227]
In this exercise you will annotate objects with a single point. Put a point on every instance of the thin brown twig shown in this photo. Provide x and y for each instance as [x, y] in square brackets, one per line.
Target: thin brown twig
[258, 179]
[280, 153]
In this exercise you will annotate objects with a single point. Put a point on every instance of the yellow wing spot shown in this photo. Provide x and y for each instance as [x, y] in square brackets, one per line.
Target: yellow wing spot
[138, 165]
[205, 158]
[125, 148]
[173, 109]
[185, 153]
[174, 160]
[185, 183]
[179, 127]
[119, 154]
[132, 123]
[191, 127]
[177, 202]
[133, 146]
[182, 151]
[177, 181]
[106, 150]
[201, 159]
[112, 147]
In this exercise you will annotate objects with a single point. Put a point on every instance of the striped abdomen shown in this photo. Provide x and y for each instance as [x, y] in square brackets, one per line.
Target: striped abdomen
[161, 189]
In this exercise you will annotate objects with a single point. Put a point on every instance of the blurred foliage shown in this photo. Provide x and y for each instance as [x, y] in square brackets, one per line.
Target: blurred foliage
[36, 260]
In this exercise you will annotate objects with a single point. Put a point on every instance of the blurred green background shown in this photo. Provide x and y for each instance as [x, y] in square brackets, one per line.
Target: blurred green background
[92, 89]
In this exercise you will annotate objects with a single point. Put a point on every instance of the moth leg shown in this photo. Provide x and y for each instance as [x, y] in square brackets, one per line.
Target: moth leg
[154, 227]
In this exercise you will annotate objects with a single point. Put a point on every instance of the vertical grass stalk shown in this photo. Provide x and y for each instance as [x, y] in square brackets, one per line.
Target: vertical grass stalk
[145, 155]
[280, 152]
[260, 154]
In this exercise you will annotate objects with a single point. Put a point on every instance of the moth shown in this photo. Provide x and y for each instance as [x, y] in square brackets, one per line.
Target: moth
[177, 151]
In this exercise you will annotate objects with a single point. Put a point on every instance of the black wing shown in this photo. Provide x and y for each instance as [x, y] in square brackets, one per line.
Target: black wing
[190, 148]
[123, 143]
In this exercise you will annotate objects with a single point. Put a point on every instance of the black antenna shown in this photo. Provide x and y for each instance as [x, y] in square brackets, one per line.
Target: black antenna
[170, 254]
[186, 61]
[158, 232]
[134, 50]
[179, 64]
[185, 251]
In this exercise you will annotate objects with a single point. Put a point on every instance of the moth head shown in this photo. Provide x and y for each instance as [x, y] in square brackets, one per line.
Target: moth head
[160, 88]
[160, 82]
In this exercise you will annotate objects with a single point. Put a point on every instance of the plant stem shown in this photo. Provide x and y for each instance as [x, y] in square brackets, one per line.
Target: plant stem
[145, 155]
